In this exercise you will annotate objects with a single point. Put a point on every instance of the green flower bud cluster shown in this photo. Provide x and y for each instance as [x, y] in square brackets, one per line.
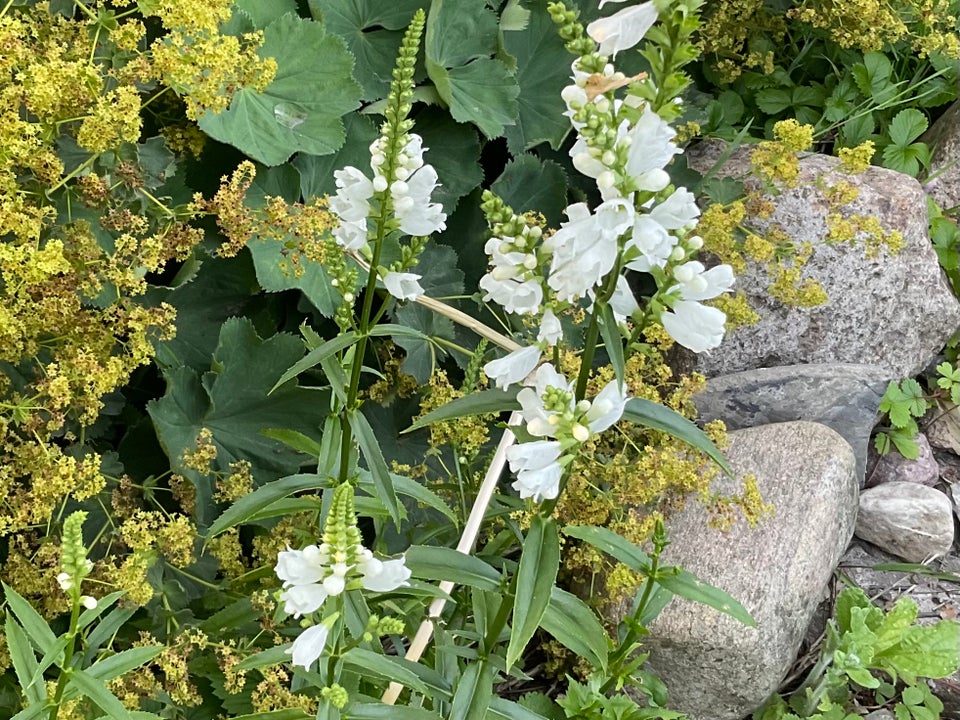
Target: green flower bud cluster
[336, 695]
[570, 29]
[341, 533]
[400, 98]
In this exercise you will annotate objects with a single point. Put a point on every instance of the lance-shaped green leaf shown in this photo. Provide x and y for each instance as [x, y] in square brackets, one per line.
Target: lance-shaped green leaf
[659, 417]
[439, 563]
[613, 343]
[37, 629]
[24, 662]
[313, 358]
[232, 401]
[123, 662]
[689, 586]
[576, 627]
[301, 109]
[536, 577]
[86, 685]
[612, 544]
[474, 692]
[379, 711]
[485, 401]
[247, 507]
[370, 448]
[413, 675]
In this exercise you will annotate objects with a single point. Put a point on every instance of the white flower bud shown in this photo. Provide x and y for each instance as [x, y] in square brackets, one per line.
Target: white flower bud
[683, 274]
[379, 183]
[530, 262]
[65, 581]
[603, 105]
[399, 188]
[677, 254]
[606, 180]
[694, 242]
[608, 158]
[402, 173]
[580, 433]
[334, 585]
[348, 297]
[90, 603]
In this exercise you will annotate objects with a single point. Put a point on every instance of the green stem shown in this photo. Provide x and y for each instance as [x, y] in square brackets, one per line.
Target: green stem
[496, 627]
[346, 434]
[67, 655]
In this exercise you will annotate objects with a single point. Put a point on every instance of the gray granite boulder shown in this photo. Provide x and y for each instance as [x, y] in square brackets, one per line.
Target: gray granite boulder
[714, 667]
[895, 310]
[911, 521]
[943, 137]
[844, 397]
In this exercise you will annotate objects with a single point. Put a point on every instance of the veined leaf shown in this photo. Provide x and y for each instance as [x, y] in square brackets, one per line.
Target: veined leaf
[313, 358]
[301, 109]
[613, 545]
[370, 448]
[24, 662]
[441, 563]
[37, 629]
[536, 577]
[687, 585]
[659, 417]
[474, 692]
[485, 401]
[576, 627]
[265, 495]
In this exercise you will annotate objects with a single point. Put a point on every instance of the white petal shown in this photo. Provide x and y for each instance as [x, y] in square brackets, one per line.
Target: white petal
[607, 407]
[521, 298]
[694, 326]
[677, 211]
[551, 331]
[308, 647]
[512, 368]
[623, 303]
[651, 146]
[392, 574]
[623, 29]
[403, 286]
[299, 567]
[303, 599]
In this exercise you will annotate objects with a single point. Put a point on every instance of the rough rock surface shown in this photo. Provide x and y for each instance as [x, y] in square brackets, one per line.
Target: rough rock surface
[942, 427]
[944, 139]
[894, 467]
[895, 311]
[911, 521]
[844, 397]
[714, 667]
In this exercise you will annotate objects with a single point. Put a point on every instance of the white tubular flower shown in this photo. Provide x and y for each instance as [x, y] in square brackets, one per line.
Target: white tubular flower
[694, 326]
[677, 211]
[696, 283]
[650, 149]
[606, 408]
[584, 161]
[520, 298]
[301, 567]
[653, 242]
[585, 248]
[551, 331]
[385, 575]
[541, 422]
[513, 368]
[403, 286]
[537, 469]
[304, 599]
[412, 206]
[622, 302]
[89, 602]
[308, 647]
[354, 190]
[623, 29]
